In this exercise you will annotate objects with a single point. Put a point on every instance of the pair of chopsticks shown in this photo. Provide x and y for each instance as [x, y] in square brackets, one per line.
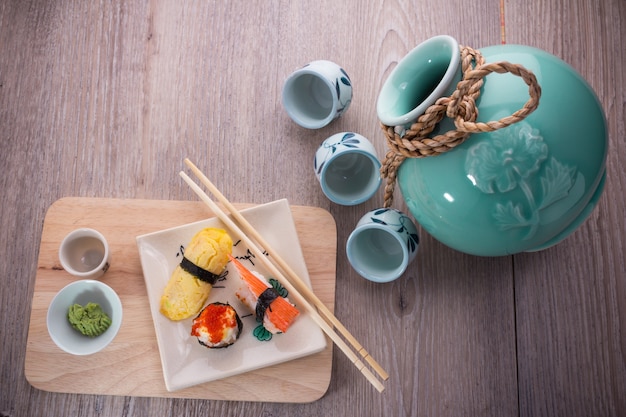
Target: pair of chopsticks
[298, 290]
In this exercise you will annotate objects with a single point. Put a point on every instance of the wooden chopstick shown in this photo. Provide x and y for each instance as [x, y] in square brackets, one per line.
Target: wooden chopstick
[291, 275]
[285, 282]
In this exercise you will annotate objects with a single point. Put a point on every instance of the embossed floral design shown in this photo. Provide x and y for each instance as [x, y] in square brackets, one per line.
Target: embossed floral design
[507, 159]
[412, 239]
[513, 158]
[348, 140]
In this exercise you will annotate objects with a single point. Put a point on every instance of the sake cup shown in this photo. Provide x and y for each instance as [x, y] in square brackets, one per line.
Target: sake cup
[85, 253]
[382, 245]
[348, 169]
[317, 94]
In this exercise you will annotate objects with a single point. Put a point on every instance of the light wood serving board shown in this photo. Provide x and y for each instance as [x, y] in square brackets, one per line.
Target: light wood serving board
[131, 365]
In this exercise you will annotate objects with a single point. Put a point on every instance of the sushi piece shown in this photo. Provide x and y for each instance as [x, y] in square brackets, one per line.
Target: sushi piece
[275, 312]
[217, 326]
[188, 288]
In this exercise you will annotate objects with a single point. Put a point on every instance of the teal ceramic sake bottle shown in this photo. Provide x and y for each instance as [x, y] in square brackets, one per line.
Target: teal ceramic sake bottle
[522, 188]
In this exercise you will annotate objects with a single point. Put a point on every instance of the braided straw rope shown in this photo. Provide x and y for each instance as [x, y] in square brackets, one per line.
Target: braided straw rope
[415, 142]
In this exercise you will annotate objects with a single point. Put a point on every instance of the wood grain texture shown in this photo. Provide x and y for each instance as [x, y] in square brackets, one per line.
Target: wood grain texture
[106, 99]
[571, 299]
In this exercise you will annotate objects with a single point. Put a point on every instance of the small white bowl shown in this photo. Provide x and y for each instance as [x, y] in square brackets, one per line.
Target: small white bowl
[83, 292]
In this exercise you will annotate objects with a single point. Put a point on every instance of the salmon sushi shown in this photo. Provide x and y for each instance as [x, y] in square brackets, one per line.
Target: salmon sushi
[275, 312]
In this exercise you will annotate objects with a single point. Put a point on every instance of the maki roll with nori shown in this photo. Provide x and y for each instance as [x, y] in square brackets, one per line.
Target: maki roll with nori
[217, 326]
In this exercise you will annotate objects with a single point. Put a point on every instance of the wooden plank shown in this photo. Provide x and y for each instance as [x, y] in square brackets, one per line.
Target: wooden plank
[570, 309]
[131, 364]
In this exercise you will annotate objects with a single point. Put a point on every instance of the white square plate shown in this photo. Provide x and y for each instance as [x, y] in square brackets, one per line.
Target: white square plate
[185, 362]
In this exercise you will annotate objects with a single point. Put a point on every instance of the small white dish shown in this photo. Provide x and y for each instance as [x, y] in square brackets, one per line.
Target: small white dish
[83, 292]
[185, 362]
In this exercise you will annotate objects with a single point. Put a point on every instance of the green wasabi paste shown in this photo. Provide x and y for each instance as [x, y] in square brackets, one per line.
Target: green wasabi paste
[90, 320]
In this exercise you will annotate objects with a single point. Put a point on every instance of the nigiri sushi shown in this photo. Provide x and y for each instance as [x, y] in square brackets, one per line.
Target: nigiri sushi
[275, 312]
[188, 288]
[217, 326]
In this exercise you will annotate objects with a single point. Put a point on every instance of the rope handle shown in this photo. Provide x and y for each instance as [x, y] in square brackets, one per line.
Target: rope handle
[415, 142]
[461, 94]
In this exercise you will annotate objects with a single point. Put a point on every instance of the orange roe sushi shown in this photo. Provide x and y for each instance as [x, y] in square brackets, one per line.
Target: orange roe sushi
[275, 312]
[217, 326]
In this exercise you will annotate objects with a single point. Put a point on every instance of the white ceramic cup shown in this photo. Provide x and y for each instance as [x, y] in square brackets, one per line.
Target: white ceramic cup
[382, 245]
[348, 169]
[317, 94]
[85, 253]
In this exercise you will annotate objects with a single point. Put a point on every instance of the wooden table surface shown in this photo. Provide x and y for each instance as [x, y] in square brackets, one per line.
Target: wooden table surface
[106, 99]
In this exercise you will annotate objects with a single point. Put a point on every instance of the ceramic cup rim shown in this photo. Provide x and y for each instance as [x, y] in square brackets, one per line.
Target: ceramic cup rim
[390, 119]
[289, 98]
[76, 233]
[396, 273]
[364, 197]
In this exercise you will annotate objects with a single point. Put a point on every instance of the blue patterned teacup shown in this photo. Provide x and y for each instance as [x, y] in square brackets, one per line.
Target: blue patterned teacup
[382, 245]
[317, 94]
[347, 168]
